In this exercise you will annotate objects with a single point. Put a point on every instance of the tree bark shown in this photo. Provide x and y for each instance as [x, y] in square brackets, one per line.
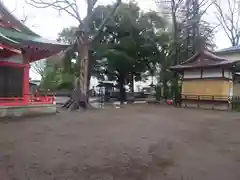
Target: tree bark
[122, 89]
[165, 89]
[80, 94]
[132, 88]
[132, 84]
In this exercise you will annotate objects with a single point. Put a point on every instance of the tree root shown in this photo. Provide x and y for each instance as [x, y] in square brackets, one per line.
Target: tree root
[73, 104]
[76, 104]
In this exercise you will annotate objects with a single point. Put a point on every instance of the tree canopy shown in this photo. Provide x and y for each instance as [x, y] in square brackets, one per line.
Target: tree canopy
[134, 43]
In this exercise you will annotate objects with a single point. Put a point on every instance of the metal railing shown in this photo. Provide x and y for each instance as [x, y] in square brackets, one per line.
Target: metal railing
[206, 97]
[233, 102]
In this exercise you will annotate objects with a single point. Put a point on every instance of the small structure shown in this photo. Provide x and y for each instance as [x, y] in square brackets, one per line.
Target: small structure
[19, 46]
[33, 88]
[207, 81]
[106, 89]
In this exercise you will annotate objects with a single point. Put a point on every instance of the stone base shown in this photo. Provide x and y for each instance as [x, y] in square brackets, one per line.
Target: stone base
[225, 106]
[29, 110]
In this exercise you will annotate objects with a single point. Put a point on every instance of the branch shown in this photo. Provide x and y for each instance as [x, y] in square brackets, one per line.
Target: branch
[60, 5]
[107, 19]
[94, 2]
[221, 16]
[203, 3]
[213, 29]
[15, 8]
[229, 29]
[39, 67]
[75, 10]
[237, 22]
[224, 28]
[205, 10]
[178, 4]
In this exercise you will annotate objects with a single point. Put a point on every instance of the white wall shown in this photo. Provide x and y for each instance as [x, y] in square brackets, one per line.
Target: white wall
[14, 59]
[209, 73]
[227, 74]
[192, 74]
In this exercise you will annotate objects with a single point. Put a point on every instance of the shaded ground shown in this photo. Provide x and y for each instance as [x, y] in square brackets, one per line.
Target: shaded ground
[137, 142]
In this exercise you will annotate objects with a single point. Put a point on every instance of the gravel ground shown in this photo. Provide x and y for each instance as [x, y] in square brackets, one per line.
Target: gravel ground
[137, 142]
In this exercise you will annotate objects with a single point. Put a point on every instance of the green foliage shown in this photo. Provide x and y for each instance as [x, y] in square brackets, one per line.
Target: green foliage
[67, 35]
[131, 44]
[55, 78]
[49, 79]
[134, 44]
[61, 75]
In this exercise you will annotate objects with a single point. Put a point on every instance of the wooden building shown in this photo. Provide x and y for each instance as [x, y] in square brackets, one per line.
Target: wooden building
[232, 53]
[207, 81]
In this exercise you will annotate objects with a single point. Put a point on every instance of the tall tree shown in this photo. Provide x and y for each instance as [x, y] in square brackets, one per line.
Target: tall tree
[83, 42]
[189, 33]
[196, 33]
[173, 9]
[228, 15]
[130, 44]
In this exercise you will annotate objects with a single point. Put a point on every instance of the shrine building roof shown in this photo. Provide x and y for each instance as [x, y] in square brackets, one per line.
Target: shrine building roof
[204, 59]
[15, 35]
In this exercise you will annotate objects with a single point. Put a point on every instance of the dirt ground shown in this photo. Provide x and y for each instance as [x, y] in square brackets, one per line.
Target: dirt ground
[138, 142]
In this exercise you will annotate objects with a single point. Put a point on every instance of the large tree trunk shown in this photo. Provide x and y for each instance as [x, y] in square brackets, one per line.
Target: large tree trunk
[81, 92]
[122, 89]
[165, 89]
[132, 88]
[132, 84]
[176, 45]
[90, 67]
[84, 74]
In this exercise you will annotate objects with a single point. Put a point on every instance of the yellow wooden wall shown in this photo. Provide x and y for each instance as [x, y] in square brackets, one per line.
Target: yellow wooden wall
[207, 87]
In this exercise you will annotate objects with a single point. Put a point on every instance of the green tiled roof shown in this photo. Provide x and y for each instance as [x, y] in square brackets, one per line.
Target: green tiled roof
[7, 40]
[18, 36]
[13, 20]
[21, 34]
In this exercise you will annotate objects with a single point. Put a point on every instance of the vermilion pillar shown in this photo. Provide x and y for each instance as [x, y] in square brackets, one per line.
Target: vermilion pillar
[26, 88]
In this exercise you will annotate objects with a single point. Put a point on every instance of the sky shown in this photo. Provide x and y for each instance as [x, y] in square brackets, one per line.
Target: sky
[48, 22]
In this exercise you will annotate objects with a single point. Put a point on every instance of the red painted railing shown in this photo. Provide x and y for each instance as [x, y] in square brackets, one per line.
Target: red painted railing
[15, 101]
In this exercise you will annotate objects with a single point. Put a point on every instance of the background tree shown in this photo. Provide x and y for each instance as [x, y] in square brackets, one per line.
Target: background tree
[228, 15]
[55, 77]
[196, 33]
[129, 47]
[83, 43]
[188, 32]
[38, 67]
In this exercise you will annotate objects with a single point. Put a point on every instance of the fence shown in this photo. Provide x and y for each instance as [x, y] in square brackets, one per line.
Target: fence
[20, 101]
[207, 97]
[233, 102]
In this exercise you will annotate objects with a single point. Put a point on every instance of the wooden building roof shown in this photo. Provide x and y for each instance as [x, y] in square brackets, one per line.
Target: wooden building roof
[204, 59]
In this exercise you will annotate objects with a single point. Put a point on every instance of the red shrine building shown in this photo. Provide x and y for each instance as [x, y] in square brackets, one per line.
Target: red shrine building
[19, 46]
